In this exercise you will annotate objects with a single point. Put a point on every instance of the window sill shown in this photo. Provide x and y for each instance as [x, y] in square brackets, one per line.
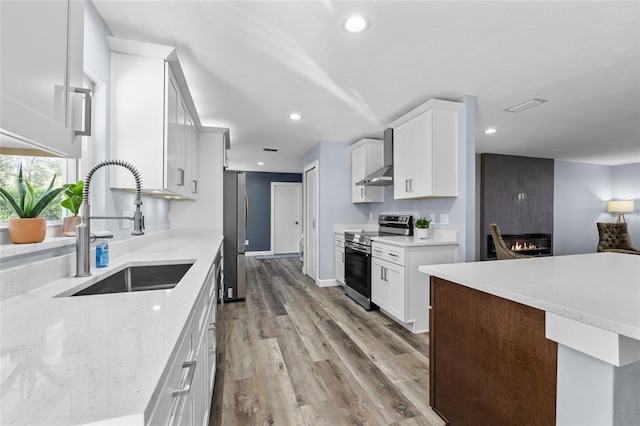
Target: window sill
[50, 243]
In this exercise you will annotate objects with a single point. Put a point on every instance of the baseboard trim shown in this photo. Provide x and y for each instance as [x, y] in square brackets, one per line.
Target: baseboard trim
[332, 282]
[258, 253]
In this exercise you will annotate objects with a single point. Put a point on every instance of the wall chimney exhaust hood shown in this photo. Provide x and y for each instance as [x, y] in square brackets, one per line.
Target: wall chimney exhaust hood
[384, 175]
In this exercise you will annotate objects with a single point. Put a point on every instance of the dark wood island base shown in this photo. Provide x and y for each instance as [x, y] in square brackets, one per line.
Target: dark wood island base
[490, 362]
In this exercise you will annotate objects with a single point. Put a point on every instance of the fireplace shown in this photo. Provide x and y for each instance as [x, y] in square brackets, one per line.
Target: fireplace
[529, 244]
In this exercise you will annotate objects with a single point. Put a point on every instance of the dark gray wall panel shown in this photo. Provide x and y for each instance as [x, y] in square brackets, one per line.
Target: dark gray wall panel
[504, 177]
[259, 194]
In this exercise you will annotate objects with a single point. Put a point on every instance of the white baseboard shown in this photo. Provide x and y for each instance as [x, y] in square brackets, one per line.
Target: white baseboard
[258, 253]
[332, 282]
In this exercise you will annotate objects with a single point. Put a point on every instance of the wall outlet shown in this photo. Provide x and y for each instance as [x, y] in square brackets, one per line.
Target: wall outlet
[444, 218]
[246, 242]
[432, 217]
[521, 196]
[125, 222]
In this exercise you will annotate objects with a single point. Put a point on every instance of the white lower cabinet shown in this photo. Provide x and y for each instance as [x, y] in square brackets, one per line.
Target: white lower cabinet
[339, 256]
[185, 397]
[398, 288]
[388, 288]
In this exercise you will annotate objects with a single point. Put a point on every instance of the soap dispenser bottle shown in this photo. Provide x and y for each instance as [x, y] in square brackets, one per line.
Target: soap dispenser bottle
[102, 254]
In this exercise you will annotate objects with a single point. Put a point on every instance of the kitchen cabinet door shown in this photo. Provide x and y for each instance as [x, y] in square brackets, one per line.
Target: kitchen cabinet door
[396, 291]
[366, 158]
[425, 153]
[378, 284]
[192, 160]
[159, 141]
[339, 258]
[388, 288]
[403, 141]
[41, 55]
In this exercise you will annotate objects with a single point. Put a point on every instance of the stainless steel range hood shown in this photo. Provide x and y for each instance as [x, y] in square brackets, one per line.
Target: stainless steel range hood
[384, 175]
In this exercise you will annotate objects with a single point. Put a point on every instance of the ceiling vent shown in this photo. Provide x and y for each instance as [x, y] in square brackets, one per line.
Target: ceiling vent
[270, 149]
[526, 105]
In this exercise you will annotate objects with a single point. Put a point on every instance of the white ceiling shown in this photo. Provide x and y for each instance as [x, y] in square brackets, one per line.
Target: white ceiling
[250, 64]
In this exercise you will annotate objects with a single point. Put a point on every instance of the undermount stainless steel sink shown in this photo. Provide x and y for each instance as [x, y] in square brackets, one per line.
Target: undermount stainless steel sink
[138, 278]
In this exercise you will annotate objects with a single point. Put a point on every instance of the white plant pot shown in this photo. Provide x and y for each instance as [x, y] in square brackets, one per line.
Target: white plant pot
[422, 233]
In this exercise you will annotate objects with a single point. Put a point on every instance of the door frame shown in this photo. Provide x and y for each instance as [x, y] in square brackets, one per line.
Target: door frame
[305, 219]
[273, 209]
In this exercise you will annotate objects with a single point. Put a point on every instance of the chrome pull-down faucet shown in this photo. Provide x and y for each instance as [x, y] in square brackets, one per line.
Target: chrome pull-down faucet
[83, 231]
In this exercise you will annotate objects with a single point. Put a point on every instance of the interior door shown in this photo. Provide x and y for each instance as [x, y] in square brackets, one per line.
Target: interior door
[311, 221]
[286, 216]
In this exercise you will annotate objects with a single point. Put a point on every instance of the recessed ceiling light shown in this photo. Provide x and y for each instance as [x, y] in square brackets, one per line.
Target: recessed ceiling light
[355, 24]
[526, 105]
[295, 116]
[260, 163]
[490, 131]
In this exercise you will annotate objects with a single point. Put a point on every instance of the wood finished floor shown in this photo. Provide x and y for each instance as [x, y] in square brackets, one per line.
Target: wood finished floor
[296, 354]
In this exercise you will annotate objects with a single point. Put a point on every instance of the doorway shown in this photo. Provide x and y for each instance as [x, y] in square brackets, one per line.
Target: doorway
[310, 185]
[286, 217]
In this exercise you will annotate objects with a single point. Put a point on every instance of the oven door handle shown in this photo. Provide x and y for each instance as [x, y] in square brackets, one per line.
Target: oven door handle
[356, 248]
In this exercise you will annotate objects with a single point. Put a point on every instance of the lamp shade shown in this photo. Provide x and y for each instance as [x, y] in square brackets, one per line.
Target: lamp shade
[620, 206]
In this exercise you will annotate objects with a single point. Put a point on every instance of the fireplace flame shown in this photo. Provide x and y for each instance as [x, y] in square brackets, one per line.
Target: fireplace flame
[518, 246]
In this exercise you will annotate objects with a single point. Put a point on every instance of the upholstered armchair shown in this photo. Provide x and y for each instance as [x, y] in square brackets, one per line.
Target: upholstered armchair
[502, 250]
[614, 237]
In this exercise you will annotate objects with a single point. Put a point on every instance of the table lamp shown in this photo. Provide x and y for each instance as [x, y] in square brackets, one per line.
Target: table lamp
[621, 207]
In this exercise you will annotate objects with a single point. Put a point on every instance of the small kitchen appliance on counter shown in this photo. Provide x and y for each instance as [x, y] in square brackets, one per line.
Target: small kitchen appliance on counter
[357, 249]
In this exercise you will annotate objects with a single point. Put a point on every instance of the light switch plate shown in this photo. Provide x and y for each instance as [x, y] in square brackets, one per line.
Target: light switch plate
[246, 242]
[444, 218]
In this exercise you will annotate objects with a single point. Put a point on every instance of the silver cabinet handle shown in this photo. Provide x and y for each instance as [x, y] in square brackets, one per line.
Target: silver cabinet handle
[411, 184]
[382, 273]
[342, 257]
[194, 184]
[191, 365]
[393, 255]
[86, 131]
[406, 186]
[180, 177]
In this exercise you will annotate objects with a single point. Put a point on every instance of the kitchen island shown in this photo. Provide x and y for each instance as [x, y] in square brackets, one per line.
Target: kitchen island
[556, 339]
[111, 358]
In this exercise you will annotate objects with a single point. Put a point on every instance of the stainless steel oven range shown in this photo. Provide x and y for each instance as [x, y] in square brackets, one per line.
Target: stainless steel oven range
[357, 256]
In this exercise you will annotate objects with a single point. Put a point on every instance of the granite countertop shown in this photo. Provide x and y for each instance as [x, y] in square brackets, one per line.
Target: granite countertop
[598, 289]
[75, 360]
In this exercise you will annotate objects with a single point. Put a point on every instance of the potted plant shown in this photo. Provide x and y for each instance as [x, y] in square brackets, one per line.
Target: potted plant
[29, 228]
[422, 228]
[72, 201]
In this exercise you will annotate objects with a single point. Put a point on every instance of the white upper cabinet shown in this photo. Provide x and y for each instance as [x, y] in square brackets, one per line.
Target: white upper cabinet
[41, 55]
[152, 124]
[425, 151]
[366, 158]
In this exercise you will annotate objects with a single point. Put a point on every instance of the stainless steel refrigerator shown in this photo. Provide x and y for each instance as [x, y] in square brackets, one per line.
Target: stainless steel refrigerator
[235, 205]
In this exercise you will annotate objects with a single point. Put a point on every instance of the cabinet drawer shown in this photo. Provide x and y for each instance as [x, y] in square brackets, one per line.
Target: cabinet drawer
[389, 253]
[339, 240]
[181, 367]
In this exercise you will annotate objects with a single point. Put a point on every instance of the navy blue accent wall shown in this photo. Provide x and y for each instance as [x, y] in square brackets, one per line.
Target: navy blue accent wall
[259, 194]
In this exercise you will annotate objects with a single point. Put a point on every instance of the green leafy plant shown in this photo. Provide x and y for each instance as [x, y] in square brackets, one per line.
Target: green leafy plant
[29, 205]
[422, 223]
[73, 196]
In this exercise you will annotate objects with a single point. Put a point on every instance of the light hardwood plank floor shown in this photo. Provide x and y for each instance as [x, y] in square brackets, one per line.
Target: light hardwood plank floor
[293, 353]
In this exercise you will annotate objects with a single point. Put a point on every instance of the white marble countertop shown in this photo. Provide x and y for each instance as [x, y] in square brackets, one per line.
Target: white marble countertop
[76, 360]
[598, 289]
[439, 238]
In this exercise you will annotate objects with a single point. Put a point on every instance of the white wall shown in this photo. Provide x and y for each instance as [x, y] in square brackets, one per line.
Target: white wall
[581, 194]
[206, 211]
[334, 199]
